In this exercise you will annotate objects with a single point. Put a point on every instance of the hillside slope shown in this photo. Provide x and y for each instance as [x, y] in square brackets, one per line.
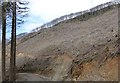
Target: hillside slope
[73, 50]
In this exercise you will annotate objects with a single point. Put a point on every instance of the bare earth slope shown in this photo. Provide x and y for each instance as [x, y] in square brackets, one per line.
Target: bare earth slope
[75, 50]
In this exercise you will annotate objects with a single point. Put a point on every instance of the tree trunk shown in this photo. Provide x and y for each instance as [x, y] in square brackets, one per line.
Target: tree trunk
[13, 46]
[3, 41]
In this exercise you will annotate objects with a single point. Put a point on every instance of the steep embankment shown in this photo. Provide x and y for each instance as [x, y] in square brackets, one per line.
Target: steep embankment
[73, 50]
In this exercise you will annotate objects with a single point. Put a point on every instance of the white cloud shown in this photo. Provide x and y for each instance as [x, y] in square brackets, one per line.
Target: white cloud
[31, 26]
[50, 9]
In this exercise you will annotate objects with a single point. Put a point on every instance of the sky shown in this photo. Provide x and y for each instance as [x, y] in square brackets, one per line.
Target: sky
[43, 11]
